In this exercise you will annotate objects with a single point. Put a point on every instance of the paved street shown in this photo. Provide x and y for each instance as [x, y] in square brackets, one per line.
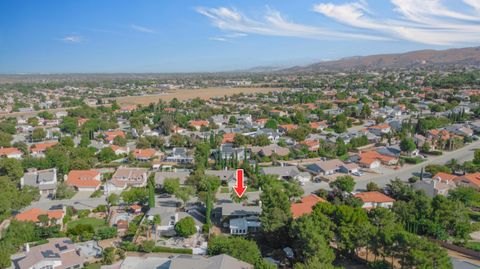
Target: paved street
[404, 173]
[85, 203]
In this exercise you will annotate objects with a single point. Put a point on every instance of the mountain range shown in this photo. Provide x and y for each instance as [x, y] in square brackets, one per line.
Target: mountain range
[414, 59]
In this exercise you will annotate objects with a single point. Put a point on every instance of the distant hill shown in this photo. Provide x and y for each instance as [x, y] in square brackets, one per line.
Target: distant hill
[413, 59]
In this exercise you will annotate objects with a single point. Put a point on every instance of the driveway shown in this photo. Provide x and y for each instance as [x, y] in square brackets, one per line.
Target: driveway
[82, 195]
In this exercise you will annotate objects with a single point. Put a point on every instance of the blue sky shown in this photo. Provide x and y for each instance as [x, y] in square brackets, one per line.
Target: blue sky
[67, 36]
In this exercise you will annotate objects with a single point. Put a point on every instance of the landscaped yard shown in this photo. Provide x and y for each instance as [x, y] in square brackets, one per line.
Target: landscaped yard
[96, 223]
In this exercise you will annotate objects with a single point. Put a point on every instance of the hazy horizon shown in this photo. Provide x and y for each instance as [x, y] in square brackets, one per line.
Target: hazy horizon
[221, 36]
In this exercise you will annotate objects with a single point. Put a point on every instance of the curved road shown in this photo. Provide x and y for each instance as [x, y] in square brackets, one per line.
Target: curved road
[461, 155]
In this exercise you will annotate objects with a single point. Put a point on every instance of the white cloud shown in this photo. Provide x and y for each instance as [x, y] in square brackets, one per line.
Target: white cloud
[272, 24]
[73, 39]
[142, 29]
[421, 21]
[473, 3]
[217, 38]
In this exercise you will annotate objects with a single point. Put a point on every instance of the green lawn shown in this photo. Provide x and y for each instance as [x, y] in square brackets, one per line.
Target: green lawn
[96, 223]
[224, 190]
[473, 245]
[93, 266]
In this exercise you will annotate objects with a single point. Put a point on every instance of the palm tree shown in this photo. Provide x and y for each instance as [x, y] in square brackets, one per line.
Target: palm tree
[236, 199]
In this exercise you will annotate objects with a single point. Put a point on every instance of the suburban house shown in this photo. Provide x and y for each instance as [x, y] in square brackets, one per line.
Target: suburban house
[178, 130]
[38, 150]
[305, 205]
[144, 155]
[469, 180]
[460, 129]
[319, 125]
[434, 186]
[57, 253]
[84, 180]
[372, 199]
[277, 113]
[373, 159]
[179, 155]
[312, 145]
[349, 168]
[168, 221]
[326, 168]
[445, 177]
[287, 173]
[159, 261]
[128, 177]
[110, 135]
[379, 130]
[245, 225]
[285, 128]
[269, 150]
[10, 152]
[228, 151]
[197, 124]
[44, 180]
[55, 216]
[260, 122]
[228, 138]
[226, 176]
[226, 210]
[119, 150]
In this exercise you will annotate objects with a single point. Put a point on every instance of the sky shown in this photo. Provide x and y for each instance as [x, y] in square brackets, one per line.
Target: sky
[108, 36]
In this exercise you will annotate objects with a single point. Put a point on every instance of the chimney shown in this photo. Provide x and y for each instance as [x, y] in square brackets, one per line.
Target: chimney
[27, 247]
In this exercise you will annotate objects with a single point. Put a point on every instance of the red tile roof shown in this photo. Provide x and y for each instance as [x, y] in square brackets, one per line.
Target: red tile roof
[9, 151]
[83, 178]
[288, 127]
[110, 135]
[374, 197]
[474, 179]
[380, 126]
[32, 214]
[228, 138]
[305, 206]
[144, 153]
[198, 123]
[444, 176]
[41, 147]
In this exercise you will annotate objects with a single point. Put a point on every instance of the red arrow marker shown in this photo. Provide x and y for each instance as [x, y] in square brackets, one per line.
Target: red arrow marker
[239, 188]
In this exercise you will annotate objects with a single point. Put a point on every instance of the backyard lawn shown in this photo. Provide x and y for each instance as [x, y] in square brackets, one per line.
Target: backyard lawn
[96, 223]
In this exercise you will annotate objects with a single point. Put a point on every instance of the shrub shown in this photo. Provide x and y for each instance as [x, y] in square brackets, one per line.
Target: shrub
[413, 179]
[413, 160]
[83, 213]
[100, 208]
[186, 227]
[173, 250]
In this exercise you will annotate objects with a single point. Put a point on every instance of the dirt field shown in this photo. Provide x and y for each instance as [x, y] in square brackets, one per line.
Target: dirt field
[181, 94]
[186, 94]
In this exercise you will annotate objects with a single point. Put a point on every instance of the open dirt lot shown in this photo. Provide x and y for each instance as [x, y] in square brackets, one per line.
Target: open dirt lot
[185, 94]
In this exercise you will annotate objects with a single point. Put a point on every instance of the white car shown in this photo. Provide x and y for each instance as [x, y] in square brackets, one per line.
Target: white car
[358, 174]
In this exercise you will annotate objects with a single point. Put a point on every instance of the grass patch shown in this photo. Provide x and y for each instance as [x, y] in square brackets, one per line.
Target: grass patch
[412, 160]
[473, 246]
[96, 223]
[96, 194]
[173, 250]
[96, 265]
[224, 190]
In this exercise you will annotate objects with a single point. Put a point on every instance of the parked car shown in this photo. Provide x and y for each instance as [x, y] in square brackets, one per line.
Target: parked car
[358, 174]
